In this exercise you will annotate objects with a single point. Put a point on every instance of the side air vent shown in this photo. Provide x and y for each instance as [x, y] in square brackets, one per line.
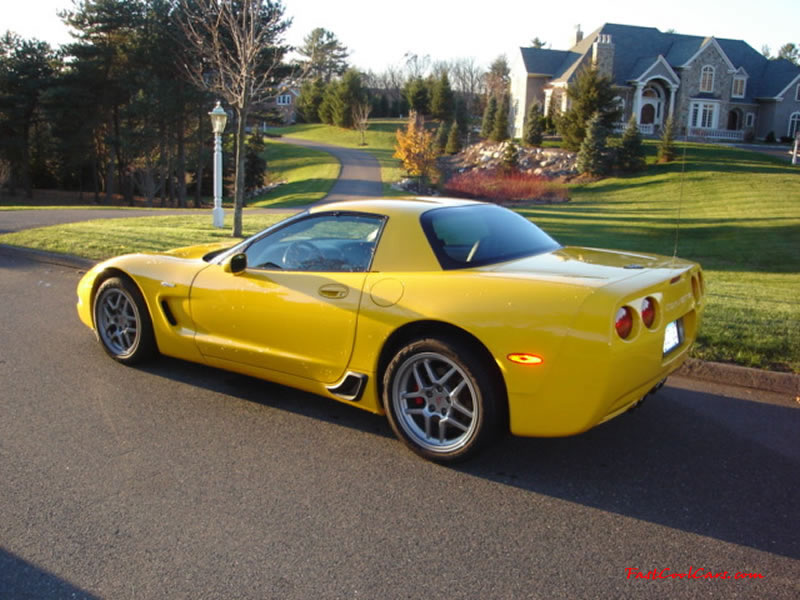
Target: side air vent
[350, 387]
[168, 313]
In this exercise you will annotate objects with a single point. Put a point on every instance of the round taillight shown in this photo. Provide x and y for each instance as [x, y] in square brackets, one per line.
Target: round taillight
[624, 322]
[648, 312]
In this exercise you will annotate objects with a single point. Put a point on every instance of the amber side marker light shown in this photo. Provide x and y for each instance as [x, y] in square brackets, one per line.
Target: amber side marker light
[525, 359]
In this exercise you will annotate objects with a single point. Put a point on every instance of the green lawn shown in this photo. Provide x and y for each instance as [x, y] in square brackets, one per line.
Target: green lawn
[102, 238]
[380, 143]
[309, 175]
[739, 217]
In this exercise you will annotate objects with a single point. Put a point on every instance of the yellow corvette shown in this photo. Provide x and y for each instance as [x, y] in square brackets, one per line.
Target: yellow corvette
[456, 319]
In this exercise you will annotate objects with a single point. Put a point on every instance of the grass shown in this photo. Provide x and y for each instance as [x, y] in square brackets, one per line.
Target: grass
[739, 217]
[102, 238]
[380, 143]
[309, 175]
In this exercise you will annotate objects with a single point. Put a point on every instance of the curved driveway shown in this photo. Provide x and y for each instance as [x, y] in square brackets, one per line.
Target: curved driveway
[359, 177]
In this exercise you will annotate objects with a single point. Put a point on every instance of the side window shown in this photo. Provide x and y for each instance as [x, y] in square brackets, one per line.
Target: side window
[327, 242]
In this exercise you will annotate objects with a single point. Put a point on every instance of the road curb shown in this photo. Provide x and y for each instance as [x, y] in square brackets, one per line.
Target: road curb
[53, 258]
[771, 381]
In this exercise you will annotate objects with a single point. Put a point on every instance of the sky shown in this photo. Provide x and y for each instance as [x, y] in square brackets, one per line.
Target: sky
[380, 33]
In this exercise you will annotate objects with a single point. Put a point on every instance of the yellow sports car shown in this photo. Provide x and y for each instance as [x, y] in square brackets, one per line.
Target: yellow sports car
[456, 319]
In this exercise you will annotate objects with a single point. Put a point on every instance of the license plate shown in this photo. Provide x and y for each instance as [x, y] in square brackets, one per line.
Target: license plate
[673, 334]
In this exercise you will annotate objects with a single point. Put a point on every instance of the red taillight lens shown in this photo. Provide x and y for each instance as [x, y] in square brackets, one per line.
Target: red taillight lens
[648, 312]
[624, 322]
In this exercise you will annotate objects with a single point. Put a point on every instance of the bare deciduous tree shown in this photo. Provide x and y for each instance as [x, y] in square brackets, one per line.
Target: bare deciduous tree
[360, 116]
[234, 49]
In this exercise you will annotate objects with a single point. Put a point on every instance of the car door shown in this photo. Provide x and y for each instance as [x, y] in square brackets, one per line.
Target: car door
[294, 308]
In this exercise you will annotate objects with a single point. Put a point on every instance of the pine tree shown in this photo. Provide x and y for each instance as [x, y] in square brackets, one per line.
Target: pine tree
[441, 136]
[349, 93]
[442, 99]
[591, 93]
[416, 93]
[510, 157]
[255, 166]
[666, 147]
[487, 126]
[592, 158]
[631, 153]
[533, 132]
[325, 110]
[454, 139]
[500, 131]
[310, 99]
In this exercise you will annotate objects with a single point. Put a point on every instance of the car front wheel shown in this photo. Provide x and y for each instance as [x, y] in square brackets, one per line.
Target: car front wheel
[441, 399]
[122, 321]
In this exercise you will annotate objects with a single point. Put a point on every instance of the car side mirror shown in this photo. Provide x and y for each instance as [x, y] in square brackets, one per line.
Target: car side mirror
[236, 264]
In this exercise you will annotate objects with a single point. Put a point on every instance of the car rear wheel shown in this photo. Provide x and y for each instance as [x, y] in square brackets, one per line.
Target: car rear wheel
[441, 399]
[122, 321]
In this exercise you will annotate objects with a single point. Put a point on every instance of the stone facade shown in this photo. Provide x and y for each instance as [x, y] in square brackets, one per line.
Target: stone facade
[669, 84]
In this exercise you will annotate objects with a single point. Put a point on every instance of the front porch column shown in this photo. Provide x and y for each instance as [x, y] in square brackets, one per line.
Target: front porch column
[672, 90]
[637, 102]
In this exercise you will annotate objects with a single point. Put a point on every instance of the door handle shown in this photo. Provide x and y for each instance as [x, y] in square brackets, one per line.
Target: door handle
[333, 290]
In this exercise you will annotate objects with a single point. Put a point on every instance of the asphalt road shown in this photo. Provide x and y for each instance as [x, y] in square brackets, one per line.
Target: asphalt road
[180, 481]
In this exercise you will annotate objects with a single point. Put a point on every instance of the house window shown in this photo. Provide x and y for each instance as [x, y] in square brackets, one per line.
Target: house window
[707, 79]
[738, 87]
[703, 115]
[750, 119]
[284, 99]
[794, 124]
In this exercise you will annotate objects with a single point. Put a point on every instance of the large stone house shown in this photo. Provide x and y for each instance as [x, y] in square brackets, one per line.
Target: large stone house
[716, 89]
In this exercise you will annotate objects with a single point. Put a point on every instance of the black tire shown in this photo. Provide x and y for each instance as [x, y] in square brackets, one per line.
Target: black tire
[441, 399]
[122, 322]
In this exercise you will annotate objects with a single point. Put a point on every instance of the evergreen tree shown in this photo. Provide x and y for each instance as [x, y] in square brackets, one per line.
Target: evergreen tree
[348, 93]
[510, 157]
[416, 93]
[441, 136]
[591, 93]
[630, 156]
[325, 110]
[442, 99]
[487, 125]
[666, 147]
[324, 55]
[532, 134]
[500, 130]
[255, 165]
[454, 139]
[310, 99]
[592, 158]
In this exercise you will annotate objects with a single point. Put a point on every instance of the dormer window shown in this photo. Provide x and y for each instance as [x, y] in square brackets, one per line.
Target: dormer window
[739, 86]
[707, 79]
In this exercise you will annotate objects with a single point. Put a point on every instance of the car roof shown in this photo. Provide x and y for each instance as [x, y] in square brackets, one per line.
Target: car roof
[392, 207]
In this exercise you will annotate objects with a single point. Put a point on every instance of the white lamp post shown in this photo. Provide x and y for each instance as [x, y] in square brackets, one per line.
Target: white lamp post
[218, 120]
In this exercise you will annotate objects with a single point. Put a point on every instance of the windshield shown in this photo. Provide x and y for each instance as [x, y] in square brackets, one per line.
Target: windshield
[483, 234]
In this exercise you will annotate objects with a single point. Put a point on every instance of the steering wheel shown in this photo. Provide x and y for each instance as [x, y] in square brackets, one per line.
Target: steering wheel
[300, 252]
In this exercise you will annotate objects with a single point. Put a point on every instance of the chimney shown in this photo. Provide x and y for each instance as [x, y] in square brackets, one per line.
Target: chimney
[603, 55]
[578, 35]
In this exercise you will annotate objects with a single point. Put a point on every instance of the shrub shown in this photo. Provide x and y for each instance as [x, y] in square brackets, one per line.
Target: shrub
[415, 147]
[500, 130]
[510, 157]
[630, 156]
[500, 186]
[770, 139]
[666, 147]
[441, 136]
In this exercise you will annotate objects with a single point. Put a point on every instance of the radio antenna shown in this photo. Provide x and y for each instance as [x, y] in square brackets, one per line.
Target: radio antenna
[680, 195]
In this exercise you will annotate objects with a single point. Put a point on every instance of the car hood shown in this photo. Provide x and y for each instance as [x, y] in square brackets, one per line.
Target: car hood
[593, 266]
[199, 251]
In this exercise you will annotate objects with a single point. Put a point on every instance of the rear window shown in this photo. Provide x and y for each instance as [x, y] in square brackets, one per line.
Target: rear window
[476, 235]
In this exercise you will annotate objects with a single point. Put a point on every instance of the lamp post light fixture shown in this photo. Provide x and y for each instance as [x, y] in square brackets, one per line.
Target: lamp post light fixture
[218, 120]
